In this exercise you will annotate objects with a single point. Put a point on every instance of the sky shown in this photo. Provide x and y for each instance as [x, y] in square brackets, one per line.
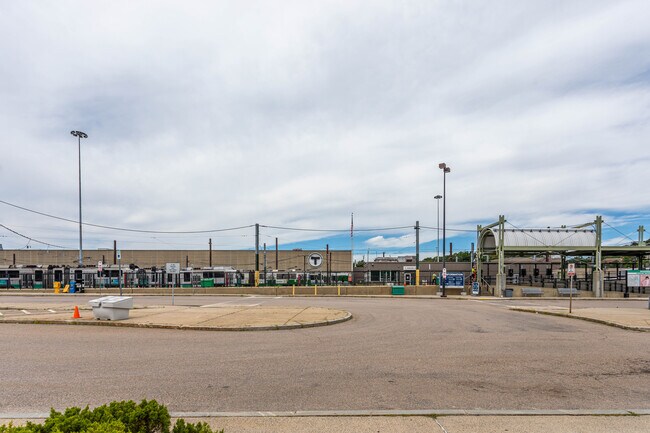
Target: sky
[294, 114]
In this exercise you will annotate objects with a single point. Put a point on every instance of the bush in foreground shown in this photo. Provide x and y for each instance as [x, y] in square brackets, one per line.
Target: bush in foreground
[116, 417]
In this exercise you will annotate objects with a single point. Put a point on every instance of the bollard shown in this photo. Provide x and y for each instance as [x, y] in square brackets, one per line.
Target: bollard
[293, 290]
[315, 290]
[338, 287]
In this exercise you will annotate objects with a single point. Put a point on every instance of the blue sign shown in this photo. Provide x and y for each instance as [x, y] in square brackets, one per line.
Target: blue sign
[455, 280]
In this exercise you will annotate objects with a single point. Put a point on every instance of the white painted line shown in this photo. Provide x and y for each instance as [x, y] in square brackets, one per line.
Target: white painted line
[218, 304]
[228, 305]
[51, 311]
[25, 311]
[1, 314]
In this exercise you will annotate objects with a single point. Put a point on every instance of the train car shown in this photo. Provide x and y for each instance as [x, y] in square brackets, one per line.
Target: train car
[10, 278]
[84, 277]
[285, 278]
[217, 276]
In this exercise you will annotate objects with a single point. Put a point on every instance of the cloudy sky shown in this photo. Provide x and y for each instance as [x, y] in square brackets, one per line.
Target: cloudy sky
[212, 115]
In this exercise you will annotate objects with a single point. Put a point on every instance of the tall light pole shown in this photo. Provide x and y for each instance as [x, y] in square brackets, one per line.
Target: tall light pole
[79, 136]
[445, 170]
[438, 197]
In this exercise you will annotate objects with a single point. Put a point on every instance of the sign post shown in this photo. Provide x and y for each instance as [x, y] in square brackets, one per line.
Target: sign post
[571, 272]
[119, 268]
[638, 278]
[173, 269]
[100, 268]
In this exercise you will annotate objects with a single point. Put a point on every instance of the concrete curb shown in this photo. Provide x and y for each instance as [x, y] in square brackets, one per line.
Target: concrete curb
[381, 412]
[587, 319]
[244, 295]
[178, 327]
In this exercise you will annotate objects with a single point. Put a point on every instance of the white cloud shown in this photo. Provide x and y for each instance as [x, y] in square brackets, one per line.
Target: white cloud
[218, 115]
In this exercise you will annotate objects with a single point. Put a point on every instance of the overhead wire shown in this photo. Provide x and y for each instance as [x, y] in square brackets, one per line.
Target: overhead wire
[123, 228]
[376, 229]
[618, 231]
[30, 239]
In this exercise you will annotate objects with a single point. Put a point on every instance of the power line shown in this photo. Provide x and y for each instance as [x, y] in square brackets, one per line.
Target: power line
[346, 230]
[617, 230]
[448, 229]
[101, 226]
[32, 239]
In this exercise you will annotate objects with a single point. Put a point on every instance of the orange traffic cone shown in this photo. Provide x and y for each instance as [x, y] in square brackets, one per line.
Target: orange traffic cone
[76, 314]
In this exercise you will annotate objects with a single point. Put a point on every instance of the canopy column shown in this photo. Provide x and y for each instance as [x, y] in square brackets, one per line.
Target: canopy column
[598, 277]
[501, 270]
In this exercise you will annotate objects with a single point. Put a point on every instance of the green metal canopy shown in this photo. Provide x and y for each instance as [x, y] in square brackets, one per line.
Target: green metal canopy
[496, 239]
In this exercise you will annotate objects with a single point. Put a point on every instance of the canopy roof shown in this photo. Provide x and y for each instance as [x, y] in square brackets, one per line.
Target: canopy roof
[540, 239]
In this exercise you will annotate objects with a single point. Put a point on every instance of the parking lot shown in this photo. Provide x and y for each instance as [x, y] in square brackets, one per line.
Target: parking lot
[393, 354]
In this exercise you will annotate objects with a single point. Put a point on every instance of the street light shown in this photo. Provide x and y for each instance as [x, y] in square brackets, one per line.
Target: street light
[80, 135]
[438, 197]
[445, 170]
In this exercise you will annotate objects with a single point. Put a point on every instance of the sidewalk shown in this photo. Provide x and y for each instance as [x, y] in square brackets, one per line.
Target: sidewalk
[224, 317]
[626, 318]
[446, 424]
[422, 424]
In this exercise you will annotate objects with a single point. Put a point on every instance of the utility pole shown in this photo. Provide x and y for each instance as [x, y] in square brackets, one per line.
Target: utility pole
[210, 243]
[351, 248]
[265, 263]
[445, 169]
[438, 197]
[257, 254]
[327, 257]
[276, 255]
[417, 253]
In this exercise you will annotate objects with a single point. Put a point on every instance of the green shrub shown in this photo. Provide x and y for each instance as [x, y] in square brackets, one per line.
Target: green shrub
[116, 417]
[200, 427]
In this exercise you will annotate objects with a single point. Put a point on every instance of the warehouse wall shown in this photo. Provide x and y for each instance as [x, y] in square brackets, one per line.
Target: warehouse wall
[239, 259]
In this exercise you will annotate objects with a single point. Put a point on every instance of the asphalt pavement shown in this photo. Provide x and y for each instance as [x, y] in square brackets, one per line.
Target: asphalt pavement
[394, 354]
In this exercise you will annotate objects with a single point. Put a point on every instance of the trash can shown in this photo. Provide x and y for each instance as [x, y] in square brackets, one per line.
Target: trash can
[207, 282]
[508, 293]
[112, 307]
[72, 286]
[397, 290]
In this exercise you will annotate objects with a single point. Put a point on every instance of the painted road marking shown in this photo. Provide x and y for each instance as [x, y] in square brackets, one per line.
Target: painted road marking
[498, 304]
[225, 304]
[51, 311]
[219, 303]
[25, 311]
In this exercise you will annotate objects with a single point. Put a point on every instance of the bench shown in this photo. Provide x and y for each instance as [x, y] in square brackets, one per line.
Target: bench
[565, 291]
[532, 291]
